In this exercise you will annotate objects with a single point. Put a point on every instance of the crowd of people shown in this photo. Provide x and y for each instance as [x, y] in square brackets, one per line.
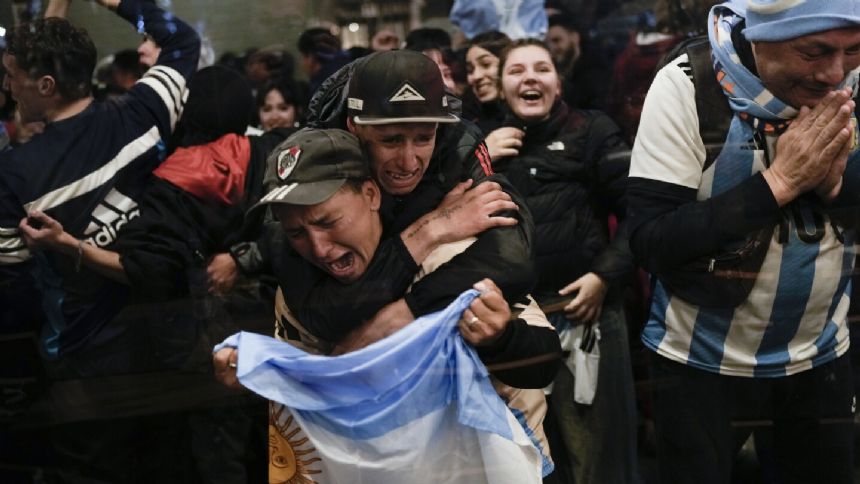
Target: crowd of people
[152, 205]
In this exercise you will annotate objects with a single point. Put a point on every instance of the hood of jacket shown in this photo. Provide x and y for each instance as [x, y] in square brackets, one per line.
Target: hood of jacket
[213, 172]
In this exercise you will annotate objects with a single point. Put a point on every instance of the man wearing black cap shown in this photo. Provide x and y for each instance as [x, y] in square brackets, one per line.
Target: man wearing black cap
[419, 151]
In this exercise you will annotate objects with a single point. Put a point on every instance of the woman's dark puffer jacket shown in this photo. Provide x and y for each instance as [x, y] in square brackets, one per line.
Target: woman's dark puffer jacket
[572, 170]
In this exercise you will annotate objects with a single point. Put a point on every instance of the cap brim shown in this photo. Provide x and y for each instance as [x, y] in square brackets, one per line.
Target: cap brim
[310, 193]
[413, 119]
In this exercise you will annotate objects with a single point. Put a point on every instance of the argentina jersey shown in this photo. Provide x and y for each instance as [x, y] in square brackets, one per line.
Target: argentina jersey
[795, 315]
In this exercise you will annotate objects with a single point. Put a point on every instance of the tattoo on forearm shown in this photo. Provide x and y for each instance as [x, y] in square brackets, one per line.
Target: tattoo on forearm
[445, 213]
[420, 226]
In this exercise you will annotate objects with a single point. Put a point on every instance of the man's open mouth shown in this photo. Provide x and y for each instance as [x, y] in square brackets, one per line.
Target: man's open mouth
[342, 264]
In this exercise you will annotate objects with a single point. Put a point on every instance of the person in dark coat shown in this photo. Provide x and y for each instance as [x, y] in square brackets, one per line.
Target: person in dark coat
[571, 168]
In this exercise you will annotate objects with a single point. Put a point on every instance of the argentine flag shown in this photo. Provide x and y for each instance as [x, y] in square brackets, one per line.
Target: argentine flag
[518, 19]
[416, 407]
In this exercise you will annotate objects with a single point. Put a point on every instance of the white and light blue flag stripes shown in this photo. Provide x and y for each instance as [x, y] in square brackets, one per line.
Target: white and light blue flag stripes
[417, 405]
[518, 19]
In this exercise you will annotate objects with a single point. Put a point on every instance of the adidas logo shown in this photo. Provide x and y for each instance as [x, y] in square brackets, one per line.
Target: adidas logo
[406, 93]
[108, 218]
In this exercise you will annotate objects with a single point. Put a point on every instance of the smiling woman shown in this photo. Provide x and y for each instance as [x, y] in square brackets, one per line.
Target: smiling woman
[280, 105]
[482, 64]
[571, 167]
[530, 83]
[481, 104]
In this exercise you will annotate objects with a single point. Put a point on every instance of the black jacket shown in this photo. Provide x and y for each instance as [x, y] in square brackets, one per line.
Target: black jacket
[330, 310]
[487, 116]
[572, 170]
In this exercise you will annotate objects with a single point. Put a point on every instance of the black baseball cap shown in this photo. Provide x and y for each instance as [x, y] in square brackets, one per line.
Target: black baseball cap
[397, 86]
[311, 165]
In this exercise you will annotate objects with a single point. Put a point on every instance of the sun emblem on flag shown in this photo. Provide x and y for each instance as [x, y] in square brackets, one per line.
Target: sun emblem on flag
[290, 456]
[287, 160]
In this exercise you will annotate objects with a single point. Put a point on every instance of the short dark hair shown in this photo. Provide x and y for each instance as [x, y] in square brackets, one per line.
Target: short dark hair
[319, 43]
[54, 47]
[272, 59]
[687, 17]
[427, 38]
[355, 185]
[564, 21]
[291, 91]
[492, 41]
[128, 60]
[287, 87]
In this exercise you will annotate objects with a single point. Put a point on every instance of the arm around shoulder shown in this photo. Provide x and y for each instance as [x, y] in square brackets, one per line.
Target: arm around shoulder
[501, 253]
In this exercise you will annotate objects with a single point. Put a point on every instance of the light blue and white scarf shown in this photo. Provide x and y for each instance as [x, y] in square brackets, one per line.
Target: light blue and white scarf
[744, 89]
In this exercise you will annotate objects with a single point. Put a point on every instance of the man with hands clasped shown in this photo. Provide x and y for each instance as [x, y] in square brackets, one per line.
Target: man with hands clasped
[813, 153]
[752, 251]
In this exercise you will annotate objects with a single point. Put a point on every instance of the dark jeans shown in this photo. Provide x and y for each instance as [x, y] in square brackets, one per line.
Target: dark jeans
[598, 440]
[703, 418]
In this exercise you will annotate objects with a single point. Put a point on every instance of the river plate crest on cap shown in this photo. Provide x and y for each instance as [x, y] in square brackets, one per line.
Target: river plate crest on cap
[287, 161]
